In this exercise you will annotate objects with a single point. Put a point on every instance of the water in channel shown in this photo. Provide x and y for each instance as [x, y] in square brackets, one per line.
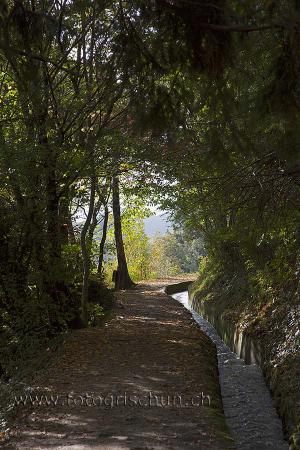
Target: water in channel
[248, 406]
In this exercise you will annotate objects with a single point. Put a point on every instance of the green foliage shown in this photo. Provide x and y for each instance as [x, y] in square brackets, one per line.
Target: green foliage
[99, 294]
[184, 250]
[162, 265]
[194, 105]
[96, 313]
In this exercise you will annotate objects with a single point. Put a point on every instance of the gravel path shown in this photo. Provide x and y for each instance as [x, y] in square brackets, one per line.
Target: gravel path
[248, 406]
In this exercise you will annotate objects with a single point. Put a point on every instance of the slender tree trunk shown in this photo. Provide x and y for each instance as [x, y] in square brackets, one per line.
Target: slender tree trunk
[53, 234]
[65, 221]
[103, 240]
[86, 254]
[71, 232]
[94, 222]
[123, 280]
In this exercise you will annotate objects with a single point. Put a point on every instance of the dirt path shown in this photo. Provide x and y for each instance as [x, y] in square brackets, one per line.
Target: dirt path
[151, 349]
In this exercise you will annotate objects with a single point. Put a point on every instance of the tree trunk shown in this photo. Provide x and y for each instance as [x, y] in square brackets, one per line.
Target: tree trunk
[103, 240]
[123, 280]
[86, 254]
[94, 222]
[53, 232]
[65, 221]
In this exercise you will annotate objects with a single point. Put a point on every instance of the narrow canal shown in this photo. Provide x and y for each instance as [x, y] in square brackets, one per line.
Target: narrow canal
[248, 406]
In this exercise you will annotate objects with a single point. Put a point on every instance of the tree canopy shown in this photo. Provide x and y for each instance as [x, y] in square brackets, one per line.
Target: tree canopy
[193, 105]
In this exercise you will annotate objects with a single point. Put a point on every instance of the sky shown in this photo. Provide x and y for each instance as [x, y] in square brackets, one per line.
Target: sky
[157, 224]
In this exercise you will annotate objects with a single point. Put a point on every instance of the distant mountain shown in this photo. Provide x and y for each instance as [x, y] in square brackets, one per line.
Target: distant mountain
[157, 225]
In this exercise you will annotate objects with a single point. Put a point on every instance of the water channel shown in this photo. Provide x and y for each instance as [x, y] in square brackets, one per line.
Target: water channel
[248, 406]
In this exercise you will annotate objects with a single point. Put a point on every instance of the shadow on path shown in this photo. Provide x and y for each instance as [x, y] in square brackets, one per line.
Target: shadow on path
[150, 350]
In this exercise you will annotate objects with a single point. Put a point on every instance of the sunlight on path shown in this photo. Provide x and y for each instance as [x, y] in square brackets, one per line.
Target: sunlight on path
[112, 383]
